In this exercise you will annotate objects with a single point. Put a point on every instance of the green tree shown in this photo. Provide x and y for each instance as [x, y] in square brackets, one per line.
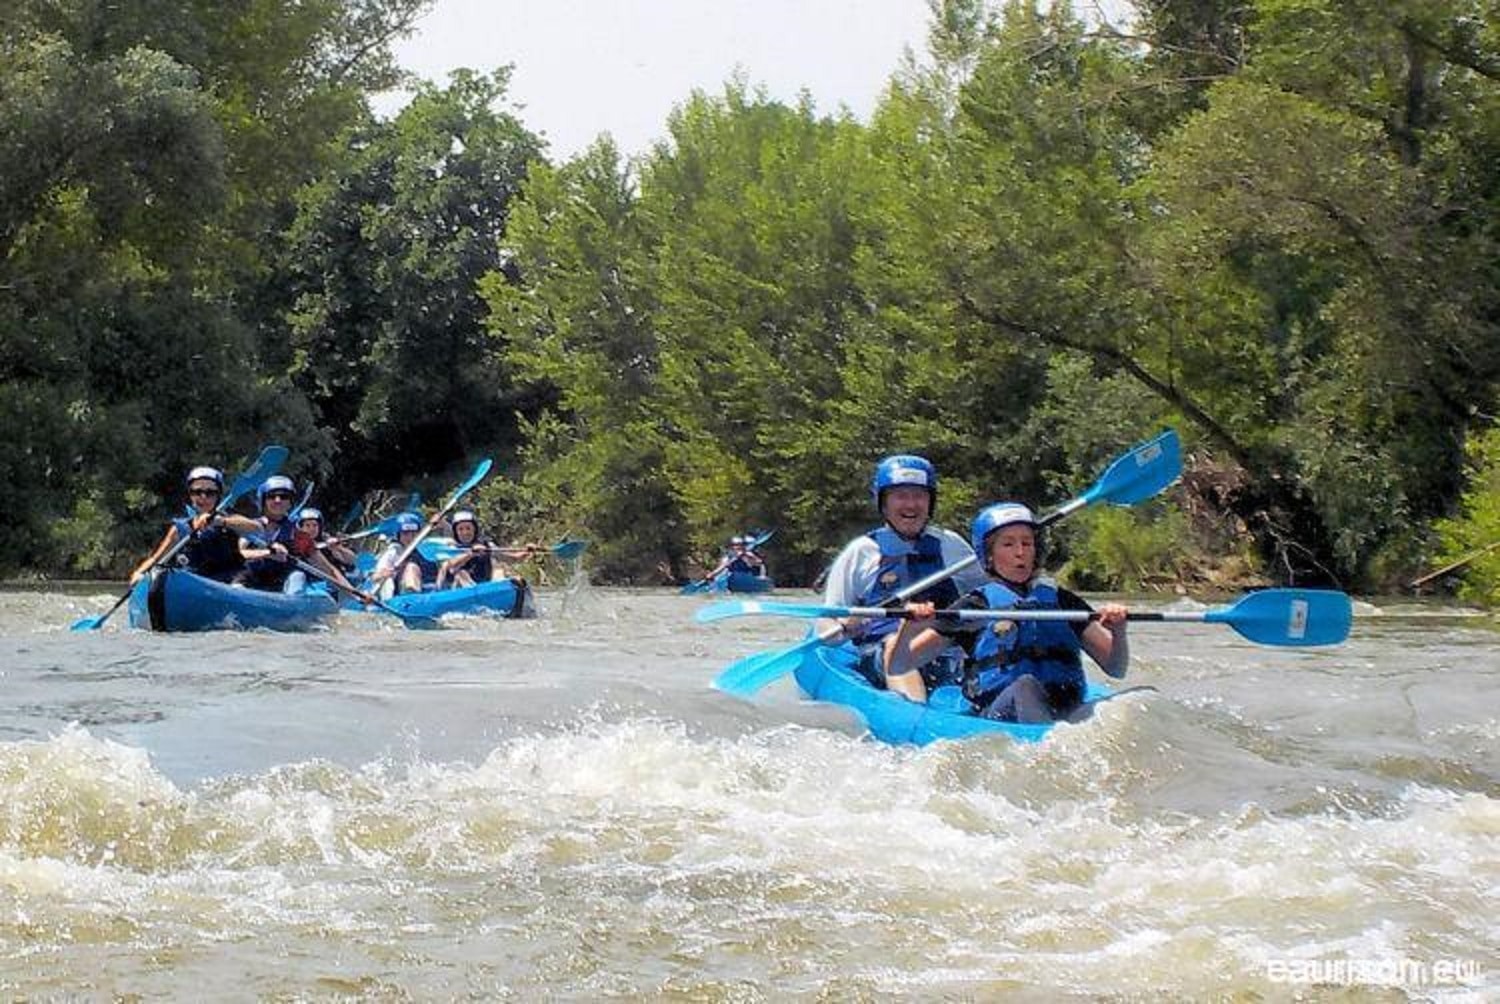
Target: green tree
[384, 259]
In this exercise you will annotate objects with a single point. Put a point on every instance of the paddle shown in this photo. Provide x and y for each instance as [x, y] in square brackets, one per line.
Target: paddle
[565, 549]
[302, 502]
[1270, 616]
[268, 463]
[479, 475]
[416, 621]
[355, 512]
[1133, 477]
[385, 528]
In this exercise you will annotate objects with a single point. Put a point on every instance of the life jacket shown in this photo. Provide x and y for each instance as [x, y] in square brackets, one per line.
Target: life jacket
[479, 566]
[1008, 650]
[212, 552]
[903, 563]
[744, 565]
[268, 573]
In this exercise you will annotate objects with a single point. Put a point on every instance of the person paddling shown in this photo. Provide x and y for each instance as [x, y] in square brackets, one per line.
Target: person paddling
[743, 559]
[212, 548]
[416, 573]
[905, 549]
[309, 522]
[1025, 670]
[477, 562]
[268, 552]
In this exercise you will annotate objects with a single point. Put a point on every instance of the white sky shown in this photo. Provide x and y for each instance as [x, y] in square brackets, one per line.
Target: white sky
[583, 67]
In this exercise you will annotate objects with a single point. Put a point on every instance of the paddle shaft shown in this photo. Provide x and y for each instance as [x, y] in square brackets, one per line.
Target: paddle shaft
[364, 597]
[1460, 563]
[441, 514]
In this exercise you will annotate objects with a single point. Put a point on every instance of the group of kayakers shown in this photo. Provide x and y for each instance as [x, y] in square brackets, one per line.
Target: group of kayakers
[278, 549]
[1024, 670]
[1017, 671]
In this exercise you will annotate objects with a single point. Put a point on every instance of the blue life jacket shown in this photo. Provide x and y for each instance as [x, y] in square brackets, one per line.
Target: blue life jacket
[268, 573]
[1008, 650]
[212, 552]
[903, 563]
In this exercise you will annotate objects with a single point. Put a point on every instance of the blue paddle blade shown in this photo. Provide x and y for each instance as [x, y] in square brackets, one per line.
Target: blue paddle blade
[479, 475]
[751, 608]
[352, 516]
[1141, 473]
[744, 678]
[268, 463]
[569, 549]
[1289, 616]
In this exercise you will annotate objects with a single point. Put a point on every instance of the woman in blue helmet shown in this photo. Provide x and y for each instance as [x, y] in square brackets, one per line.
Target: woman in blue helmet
[1023, 670]
[903, 550]
[212, 550]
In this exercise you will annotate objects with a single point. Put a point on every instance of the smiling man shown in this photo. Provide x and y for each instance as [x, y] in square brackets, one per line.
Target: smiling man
[905, 549]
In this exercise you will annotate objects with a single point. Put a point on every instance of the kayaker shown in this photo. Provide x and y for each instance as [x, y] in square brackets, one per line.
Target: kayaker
[478, 561]
[1025, 670]
[268, 552]
[309, 522]
[212, 550]
[876, 566]
[742, 558]
[416, 573]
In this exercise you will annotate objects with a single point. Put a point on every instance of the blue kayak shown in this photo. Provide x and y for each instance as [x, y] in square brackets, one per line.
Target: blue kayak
[742, 582]
[730, 582]
[827, 673]
[177, 600]
[505, 597]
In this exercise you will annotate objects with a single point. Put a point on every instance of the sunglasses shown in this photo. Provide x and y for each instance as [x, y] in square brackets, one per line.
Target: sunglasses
[210, 492]
[278, 496]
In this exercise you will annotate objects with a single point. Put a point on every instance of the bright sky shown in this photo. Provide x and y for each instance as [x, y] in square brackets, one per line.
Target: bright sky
[583, 67]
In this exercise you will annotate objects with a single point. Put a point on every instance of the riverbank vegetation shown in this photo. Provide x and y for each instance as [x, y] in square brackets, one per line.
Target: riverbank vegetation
[1270, 224]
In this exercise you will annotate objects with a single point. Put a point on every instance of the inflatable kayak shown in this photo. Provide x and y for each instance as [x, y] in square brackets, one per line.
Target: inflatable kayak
[827, 673]
[741, 582]
[173, 599]
[730, 582]
[505, 597]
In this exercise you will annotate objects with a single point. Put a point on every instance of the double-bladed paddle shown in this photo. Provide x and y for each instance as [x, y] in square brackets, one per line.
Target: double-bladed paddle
[268, 463]
[565, 549]
[1288, 617]
[1133, 477]
[415, 621]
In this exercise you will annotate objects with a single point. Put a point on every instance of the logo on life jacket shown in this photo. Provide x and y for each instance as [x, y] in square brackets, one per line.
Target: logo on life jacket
[1003, 628]
[890, 578]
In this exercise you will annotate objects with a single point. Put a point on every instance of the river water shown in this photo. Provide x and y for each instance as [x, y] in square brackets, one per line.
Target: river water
[564, 809]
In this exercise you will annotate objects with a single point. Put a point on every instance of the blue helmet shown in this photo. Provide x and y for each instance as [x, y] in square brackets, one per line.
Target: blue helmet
[408, 521]
[992, 518]
[205, 474]
[904, 469]
[275, 483]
